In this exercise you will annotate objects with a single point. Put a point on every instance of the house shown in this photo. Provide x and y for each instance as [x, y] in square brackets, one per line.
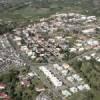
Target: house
[31, 74]
[93, 18]
[29, 53]
[72, 49]
[86, 86]
[70, 78]
[24, 48]
[77, 77]
[73, 89]
[25, 83]
[4, 96]
[64, 72]
[33, 55]
[66, 66]
[81, 49]
[92, 42]
[89, 31]
[58, 37]
[51, 40]
[83, 18]
[56, 66]
[97, 59]
[80, 87]
[78, 44]
[93, 54]
[71, 14]
[40, 88]
[66, 93]
[87, 57]
[2, 86]
[18, 43]
[43, 96]
[17, 38]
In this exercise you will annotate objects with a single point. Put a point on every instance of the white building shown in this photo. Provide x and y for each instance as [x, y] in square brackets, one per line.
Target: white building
[66, 93]
[89, 31]
[52, 78]
[73, 89]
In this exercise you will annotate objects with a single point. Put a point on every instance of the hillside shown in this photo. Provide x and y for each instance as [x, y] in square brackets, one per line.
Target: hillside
[25, 10]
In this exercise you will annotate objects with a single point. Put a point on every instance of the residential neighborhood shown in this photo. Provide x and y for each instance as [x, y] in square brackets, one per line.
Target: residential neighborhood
[46, 60]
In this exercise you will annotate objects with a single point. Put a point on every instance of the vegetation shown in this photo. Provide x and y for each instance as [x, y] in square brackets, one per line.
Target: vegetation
[6, 26]
[90, 70]
[14, 88]
[34, 9]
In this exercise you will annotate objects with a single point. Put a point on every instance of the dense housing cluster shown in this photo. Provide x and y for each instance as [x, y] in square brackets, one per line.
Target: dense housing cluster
[8, 56]
[48, 39]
